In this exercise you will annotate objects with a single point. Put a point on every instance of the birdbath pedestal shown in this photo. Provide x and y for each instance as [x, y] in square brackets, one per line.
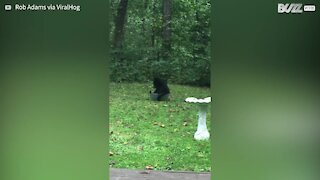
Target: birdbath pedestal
[202, 132]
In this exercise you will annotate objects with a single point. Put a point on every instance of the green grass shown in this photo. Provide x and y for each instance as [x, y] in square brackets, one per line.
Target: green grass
[159, 134]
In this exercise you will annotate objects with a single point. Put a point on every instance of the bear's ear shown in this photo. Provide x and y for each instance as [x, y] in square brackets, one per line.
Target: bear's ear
[155, 80]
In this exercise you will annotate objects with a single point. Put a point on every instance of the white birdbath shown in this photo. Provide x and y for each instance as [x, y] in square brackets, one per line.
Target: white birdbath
[202, 132]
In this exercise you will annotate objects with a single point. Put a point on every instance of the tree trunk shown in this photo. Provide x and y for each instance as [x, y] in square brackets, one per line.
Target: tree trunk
[167, 5]
[153, 24]
[144, 16]
[119, 24]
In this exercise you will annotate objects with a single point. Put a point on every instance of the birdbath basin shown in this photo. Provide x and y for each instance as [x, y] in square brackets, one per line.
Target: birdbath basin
[202, 132]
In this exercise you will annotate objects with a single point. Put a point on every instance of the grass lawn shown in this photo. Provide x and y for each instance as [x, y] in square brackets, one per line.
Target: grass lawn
[158, 134]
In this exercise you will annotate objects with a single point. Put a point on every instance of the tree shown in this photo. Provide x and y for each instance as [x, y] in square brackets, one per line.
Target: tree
[167, 6]
[119, 22]
[166, 38]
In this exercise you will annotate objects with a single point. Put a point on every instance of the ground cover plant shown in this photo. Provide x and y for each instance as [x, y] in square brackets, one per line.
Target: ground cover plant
[158, 135]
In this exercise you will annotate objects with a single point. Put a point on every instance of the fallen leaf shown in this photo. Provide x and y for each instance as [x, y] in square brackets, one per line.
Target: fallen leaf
[149, 167]
[140, 148]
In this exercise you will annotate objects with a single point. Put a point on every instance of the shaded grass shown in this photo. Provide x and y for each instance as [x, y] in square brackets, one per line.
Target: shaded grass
[159, 134]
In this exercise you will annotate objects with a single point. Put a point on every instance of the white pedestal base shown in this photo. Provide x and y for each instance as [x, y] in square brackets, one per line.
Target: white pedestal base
[202, 135]
[202, 132]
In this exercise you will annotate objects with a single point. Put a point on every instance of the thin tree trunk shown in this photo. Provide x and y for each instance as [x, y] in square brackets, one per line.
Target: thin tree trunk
[153, 25]
[144, 16]
[167, 5]
[119, 24]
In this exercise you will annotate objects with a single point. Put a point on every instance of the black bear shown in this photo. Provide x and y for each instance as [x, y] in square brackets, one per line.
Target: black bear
[161, 92]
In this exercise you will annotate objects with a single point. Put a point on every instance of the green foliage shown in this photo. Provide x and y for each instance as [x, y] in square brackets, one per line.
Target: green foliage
[143, 56]
[139, 129]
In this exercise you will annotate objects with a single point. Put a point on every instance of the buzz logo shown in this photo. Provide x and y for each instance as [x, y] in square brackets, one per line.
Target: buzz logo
[295, 8]
[290, 8]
